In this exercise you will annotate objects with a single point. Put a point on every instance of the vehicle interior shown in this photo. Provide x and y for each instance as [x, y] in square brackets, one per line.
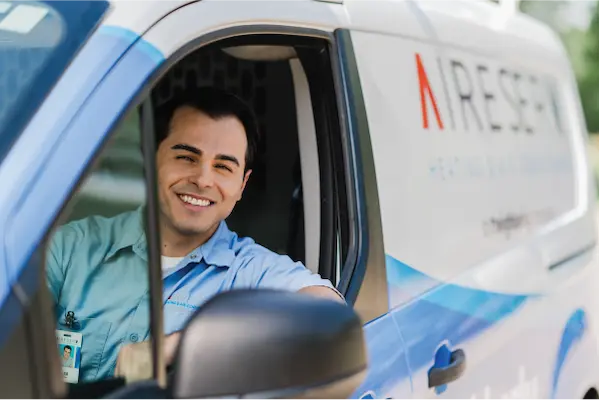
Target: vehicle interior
[271, 210]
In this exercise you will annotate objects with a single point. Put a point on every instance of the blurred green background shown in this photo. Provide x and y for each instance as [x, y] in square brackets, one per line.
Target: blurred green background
[576, 22]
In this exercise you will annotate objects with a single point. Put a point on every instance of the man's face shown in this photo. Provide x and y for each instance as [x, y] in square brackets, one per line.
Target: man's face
[200, 171]
[66, 353]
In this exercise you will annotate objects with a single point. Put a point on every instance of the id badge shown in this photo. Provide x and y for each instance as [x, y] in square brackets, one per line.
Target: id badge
[69, 347]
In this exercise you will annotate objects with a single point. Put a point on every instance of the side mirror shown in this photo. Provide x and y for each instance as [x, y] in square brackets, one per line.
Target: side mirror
[267, 343]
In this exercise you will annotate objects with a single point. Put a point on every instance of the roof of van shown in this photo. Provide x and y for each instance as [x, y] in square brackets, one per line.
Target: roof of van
[131, 15]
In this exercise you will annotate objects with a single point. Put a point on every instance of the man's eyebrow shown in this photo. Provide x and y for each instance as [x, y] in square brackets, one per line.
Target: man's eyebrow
[225, 157]
[187, 147]
[192, 149]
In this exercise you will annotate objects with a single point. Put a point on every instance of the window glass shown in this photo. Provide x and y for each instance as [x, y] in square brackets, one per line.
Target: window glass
[38, 39]
[97, 269]
[116, 183]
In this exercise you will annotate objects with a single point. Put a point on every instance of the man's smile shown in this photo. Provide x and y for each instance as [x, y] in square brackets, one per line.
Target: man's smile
[195, 202]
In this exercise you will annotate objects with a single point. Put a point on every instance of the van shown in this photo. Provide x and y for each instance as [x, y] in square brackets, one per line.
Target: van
[427, 157]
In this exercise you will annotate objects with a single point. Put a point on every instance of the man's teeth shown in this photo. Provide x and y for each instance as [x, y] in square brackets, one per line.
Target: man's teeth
[194, 201]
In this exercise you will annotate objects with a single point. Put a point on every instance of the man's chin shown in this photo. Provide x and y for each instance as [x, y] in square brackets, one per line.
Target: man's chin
[187, 229]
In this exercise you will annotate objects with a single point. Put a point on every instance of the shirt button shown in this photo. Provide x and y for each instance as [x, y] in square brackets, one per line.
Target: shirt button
[193, 256]
[134, 337]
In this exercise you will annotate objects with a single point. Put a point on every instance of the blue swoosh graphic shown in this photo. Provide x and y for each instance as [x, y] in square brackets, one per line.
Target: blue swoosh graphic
[572, 334]
[435, 312]
[476, 303]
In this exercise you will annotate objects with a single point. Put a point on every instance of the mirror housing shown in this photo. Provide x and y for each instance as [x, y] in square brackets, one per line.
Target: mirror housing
[268, 343]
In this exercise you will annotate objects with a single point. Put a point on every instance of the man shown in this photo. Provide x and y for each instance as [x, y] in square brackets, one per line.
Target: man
[97, 267]
[67, 361]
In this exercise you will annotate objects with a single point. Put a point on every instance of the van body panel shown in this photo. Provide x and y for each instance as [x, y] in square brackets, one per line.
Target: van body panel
[471, 174]
[485, 202]
[324, 17]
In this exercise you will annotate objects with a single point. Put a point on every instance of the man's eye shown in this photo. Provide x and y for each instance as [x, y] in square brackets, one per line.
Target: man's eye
[186, 158]
[223, 166]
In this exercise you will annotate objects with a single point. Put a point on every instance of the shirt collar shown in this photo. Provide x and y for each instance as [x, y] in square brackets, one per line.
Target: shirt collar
[128, 231]
[216, 251]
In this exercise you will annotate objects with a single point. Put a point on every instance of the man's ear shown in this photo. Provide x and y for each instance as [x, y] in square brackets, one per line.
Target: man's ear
[245, 181]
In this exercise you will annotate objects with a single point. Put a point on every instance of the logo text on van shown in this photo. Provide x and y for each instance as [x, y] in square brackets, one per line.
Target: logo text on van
[533, 100]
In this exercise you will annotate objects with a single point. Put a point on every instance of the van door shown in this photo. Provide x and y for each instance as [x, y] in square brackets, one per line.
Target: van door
[476, 160]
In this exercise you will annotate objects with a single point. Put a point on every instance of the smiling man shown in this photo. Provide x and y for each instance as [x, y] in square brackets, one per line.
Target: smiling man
[97, 267]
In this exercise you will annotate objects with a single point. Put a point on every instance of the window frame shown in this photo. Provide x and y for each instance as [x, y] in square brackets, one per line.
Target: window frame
[358, 235]
[363, 275]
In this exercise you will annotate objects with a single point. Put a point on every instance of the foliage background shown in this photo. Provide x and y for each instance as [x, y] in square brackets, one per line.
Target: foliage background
[576, 22]
[581, 42]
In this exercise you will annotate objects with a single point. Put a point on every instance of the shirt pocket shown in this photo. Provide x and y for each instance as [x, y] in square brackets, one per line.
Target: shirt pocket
[175, 318]
[94, 338]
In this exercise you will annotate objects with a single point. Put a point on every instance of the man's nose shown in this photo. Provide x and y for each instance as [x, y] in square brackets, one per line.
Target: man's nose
[204, 176]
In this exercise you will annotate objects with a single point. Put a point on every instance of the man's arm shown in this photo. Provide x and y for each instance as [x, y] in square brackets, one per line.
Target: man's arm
[323, 291]
[274, 271]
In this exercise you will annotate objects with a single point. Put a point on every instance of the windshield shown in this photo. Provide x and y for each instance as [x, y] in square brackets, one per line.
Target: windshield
[38, 39]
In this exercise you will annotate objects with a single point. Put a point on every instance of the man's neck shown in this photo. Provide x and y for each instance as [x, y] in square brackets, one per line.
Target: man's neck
[174, 244]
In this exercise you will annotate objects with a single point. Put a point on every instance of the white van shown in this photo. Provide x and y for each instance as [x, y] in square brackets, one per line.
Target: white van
[428, 157]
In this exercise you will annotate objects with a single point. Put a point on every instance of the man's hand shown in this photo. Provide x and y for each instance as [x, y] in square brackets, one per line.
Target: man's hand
[134, 361]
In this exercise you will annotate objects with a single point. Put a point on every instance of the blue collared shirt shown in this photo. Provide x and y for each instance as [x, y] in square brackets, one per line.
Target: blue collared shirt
[98, 268]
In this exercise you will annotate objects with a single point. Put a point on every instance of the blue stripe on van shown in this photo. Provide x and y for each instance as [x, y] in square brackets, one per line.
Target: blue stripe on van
[476, 303]
[127, 36]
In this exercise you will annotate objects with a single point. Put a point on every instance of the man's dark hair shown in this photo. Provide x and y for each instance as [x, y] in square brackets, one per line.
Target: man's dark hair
[68, 347]
[216, 103]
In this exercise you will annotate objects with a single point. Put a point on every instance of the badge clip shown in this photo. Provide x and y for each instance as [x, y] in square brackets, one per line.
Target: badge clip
[70, 319]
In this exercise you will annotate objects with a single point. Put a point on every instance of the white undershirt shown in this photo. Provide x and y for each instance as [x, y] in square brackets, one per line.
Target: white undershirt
[170, 262]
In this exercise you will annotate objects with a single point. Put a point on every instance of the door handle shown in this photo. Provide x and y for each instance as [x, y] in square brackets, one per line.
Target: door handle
[439, 376]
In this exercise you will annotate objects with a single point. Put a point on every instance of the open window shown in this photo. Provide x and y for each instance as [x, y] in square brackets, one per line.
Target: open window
[293, 203]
